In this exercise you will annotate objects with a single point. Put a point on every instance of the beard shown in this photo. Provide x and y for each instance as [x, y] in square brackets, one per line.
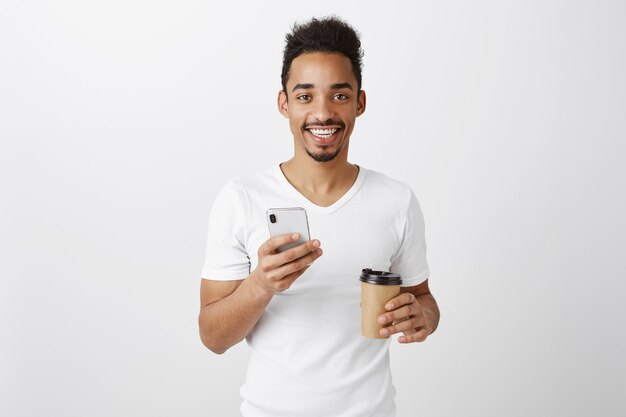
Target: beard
[323, 156]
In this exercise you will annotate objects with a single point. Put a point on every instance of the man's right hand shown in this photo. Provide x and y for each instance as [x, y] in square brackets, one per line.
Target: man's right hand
[276, 272]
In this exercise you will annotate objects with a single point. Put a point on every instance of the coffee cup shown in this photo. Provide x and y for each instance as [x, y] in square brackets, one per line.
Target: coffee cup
[377, 288]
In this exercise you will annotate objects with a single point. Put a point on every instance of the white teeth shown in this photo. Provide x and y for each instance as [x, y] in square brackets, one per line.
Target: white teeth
[323, 132]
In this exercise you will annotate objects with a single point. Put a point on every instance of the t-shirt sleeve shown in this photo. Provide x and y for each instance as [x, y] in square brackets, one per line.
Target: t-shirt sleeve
[410, 259]
[226, 258]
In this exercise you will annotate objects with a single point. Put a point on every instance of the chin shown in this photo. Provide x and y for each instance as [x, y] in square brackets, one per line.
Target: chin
[323, 156]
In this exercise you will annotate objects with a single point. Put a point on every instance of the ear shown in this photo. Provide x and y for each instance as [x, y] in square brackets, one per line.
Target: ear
[360, 103]
[283, 105]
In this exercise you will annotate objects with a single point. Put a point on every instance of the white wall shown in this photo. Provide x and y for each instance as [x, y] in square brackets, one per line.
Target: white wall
[119, 121]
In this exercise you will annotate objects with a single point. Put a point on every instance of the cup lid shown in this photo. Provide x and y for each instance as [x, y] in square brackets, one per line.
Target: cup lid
[380, 277]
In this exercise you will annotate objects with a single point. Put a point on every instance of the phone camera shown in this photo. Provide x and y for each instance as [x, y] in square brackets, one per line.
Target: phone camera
[273, 218]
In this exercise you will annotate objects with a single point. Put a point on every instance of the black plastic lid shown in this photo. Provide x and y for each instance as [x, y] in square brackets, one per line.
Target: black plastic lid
[380, 277]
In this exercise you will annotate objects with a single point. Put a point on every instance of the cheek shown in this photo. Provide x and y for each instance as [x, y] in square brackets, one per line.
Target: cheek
[295, 118]
[295, 127]
[348, 128]
[294, 123]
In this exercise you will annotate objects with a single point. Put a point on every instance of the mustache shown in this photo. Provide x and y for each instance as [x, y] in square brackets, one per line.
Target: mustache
[325, 124]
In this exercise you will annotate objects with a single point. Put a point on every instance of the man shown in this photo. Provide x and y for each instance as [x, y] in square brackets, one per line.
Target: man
[299, 309]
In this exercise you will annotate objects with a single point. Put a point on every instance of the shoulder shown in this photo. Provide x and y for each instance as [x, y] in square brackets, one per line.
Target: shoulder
[390, 188]
[242, 185]
[240, 192]
[255, 181]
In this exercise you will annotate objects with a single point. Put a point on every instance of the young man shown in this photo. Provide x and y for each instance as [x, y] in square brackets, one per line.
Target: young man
[299, 310]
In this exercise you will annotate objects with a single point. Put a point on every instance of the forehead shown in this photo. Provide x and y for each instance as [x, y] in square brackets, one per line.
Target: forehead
[321, 69]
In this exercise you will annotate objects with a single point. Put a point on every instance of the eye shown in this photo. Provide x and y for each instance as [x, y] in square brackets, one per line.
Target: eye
[304, 97]
[340, 97]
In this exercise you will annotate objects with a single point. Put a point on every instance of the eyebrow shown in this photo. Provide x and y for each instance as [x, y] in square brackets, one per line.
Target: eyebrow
[302, 86]
[339, 86]
[307, 86]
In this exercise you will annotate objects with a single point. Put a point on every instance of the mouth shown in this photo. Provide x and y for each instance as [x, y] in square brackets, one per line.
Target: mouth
[323, 136]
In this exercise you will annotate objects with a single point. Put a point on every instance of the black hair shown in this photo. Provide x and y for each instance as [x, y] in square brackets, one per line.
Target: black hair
[327, 34]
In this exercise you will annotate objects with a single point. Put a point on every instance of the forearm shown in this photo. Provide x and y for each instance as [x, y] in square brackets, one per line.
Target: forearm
[226, 322]
[431, 310]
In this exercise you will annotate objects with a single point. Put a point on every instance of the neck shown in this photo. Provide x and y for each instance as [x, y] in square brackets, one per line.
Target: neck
[321, 178]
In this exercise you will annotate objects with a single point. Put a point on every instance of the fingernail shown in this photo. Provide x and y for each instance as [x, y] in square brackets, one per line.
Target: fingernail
[389, 306]
[384, 332]
[381, 320]
[319, 251]
[296, 236]
[316, 243]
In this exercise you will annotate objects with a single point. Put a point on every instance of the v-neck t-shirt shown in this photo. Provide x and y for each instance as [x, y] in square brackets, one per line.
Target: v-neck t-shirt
[307, 354]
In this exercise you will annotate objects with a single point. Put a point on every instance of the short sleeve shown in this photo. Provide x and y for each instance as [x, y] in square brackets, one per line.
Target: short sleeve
[410, 259]
[226, 258]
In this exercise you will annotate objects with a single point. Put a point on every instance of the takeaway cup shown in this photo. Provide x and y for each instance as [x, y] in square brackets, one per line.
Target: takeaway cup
[377, 287]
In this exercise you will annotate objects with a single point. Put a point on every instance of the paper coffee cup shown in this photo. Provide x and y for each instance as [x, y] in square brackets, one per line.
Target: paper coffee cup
[377, 287]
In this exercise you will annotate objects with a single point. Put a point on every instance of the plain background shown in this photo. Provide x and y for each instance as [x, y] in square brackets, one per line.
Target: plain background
[120, 120]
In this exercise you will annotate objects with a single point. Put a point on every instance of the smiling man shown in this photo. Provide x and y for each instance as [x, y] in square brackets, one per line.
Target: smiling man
[326, 127]
[299, 310]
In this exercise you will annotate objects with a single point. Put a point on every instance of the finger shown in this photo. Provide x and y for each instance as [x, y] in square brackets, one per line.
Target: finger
[294, 276]
[409, 332]
[396, 315]
[402, 299]
[270, 245]
[274, 262]
[296, 265]
[295, 253]
[288, 280]
[419, 336]
[401, 326]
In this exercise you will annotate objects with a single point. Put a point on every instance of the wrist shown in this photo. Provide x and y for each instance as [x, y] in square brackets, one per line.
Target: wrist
[257, 287]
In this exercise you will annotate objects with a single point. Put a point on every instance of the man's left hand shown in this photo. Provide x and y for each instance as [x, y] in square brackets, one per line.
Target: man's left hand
[408, 317]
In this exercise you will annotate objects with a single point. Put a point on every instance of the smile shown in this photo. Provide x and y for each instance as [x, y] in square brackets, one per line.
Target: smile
[323, 136]
[323, 133]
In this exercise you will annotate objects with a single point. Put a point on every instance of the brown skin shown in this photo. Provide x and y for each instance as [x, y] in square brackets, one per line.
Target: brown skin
[414, 312]
[321, 92]
[317, 105]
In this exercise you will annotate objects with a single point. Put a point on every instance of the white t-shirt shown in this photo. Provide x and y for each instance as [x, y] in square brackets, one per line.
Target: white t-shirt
[307, 355]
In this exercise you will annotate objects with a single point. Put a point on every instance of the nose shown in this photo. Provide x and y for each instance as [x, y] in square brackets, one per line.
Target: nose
[322, 110]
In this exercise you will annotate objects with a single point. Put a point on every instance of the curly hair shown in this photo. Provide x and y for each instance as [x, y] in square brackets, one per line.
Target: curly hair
[327, 34]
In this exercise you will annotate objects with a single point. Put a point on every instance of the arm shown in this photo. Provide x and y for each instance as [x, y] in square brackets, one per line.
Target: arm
[414, 312]
[230, 309]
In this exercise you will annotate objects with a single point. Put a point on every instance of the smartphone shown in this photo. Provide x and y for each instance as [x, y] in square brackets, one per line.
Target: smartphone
[288, 220]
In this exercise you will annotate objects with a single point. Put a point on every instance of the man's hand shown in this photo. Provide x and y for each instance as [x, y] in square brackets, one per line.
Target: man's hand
[276, 272]
[407, 316]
